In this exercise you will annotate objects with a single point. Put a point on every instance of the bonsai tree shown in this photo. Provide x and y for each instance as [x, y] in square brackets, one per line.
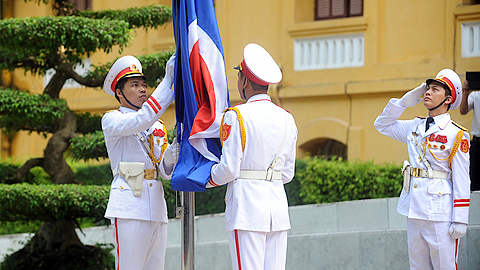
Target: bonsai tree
[59, 43]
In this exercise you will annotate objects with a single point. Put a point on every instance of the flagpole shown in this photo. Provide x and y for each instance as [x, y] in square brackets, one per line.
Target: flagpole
[188, 203]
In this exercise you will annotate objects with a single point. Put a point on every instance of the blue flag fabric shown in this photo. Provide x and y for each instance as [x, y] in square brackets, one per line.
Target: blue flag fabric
[201, 92]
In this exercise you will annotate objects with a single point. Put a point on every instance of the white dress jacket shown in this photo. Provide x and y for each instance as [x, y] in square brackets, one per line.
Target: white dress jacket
[431, 199]
[119, 128]
[253, 204]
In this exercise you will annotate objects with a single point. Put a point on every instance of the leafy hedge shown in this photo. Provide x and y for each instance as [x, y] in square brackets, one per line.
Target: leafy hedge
[325, 181]
[52, 202]
[316, 181]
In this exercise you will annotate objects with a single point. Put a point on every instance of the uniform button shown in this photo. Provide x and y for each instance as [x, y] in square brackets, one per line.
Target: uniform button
[121, 187]
[151, 184]
[439, 193]
[415, 186]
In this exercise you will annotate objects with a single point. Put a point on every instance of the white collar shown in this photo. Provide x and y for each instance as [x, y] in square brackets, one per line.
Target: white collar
[259, 97]
[126, 110]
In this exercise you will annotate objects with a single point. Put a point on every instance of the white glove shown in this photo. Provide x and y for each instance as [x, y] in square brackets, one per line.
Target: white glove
[170, 67]
[457, 230]
[170, 156]
[167, 82]
[413, 97]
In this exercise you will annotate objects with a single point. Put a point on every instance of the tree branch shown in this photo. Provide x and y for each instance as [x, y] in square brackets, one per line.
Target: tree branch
[87, 81]
[22, 171]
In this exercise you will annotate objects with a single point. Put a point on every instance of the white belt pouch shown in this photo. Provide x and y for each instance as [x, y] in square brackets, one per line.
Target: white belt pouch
[133, 173]
[406, 172]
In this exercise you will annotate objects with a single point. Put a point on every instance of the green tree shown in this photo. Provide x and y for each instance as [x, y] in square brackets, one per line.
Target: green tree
[61, 42]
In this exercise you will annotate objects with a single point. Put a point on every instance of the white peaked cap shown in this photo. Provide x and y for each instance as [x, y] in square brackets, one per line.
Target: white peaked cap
[125, 67]
[259, 66]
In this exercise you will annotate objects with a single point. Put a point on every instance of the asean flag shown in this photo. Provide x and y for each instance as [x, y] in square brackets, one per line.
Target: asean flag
[201, 92]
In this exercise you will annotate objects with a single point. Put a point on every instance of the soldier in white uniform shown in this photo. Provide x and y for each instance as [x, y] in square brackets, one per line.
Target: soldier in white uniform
[436, 193]
[258, 158]
[139, 154]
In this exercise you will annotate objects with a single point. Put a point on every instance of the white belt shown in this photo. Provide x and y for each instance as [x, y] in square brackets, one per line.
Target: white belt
[149, 174]
[261, 175]
[417, 172]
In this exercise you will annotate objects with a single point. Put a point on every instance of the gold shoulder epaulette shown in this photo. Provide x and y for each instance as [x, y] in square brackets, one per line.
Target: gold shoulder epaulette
[460, 127]
[231, 107]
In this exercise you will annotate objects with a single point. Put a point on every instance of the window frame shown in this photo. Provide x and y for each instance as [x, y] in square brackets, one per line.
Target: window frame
[347, 9]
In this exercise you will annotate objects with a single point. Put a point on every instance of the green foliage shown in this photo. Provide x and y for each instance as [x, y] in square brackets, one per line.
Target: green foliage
[48, 38]
[92, 146]
[153, 66]
[93, 175]
[72, 258]
[24, 111]
[316, 181]
[52, 202]
[87, 123]
[15, 227]
[294, 187]
[147, 17]
[8, 172]
[36, 175]
[211, 201]
[325, 181]
[89, 146]
[98, 73]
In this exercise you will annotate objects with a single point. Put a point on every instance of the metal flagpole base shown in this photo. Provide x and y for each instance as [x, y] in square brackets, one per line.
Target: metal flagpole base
[188, 204]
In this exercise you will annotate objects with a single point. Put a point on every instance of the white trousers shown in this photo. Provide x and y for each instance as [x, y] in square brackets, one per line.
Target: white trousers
[430, 246]
[139, 244]
[251, 250]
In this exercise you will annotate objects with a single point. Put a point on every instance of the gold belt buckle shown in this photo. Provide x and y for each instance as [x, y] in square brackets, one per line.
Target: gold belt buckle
[149, 174]
[416, 172]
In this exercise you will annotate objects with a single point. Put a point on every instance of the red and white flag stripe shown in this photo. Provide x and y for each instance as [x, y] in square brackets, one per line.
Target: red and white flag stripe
[208, 69]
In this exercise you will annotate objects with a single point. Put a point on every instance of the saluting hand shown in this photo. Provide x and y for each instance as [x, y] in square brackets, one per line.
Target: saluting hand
[413, 97]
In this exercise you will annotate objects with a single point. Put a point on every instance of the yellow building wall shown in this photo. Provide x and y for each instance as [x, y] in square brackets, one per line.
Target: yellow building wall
[405, 42]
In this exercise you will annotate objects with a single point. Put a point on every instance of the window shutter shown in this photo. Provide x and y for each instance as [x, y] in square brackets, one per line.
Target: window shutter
[356, 8]
[329, 9]
[322, 9]
[339, 8]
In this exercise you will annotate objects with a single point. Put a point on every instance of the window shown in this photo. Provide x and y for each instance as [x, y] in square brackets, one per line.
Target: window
[330, 9]
[327, 52]
[470, 39]
[325, 148]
